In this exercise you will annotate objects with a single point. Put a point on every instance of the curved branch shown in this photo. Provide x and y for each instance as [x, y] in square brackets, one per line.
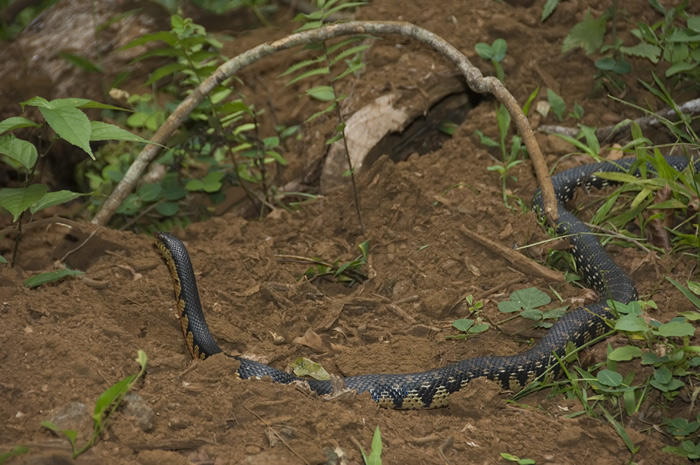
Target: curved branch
[476, 81]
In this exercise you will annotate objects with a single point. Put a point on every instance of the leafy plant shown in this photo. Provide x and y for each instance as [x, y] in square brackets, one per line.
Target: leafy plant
[348, 272]
[516, 459]
[468, 326]
[525, 303]
[509, 157]
[495, 53]
[375, 455]
[329, 63]
[106, 405]
[68, 121]
[666, 40]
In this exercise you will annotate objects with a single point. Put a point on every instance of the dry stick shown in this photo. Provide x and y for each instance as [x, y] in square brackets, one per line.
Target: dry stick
[608, 132]
[476, 81]
[518, 260]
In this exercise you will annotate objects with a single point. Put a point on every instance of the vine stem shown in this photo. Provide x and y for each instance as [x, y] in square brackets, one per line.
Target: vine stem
[476, 81]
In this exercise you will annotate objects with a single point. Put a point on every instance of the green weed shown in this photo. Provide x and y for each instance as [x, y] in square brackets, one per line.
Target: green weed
[375, 455]
[106, 405]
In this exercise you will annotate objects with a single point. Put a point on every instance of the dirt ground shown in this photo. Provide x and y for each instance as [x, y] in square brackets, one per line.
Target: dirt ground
[65, 343]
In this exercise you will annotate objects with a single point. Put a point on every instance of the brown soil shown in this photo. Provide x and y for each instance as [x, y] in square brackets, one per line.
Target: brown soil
[67, 342]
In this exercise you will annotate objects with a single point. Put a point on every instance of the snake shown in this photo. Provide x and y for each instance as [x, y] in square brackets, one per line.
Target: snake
[431, 389]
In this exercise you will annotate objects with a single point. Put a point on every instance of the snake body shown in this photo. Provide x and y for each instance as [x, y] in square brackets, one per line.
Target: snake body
[430, 389]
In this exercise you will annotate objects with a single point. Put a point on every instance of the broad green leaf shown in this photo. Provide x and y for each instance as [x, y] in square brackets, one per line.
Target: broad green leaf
[530, 297]
[509, 306]
[557, 103]
[609, 378]
[323, 93]
[70, 124]
[675, 329]
[643, 50]
[484, 50]
[463, 324]
[50, 277]
[16, 122]
[680, 67]
[624, 354]
[54, 198]
[499, 48]
[167, 208]
[588, 34]
[149, 192]
[113, 393]
[694, 23]
[631, 323]
[305, 367]
[3, 260]
[18, 150]
[18, 200]
[106, 131]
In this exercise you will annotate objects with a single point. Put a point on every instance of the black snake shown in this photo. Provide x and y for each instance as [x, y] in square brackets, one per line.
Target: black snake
[431, 388]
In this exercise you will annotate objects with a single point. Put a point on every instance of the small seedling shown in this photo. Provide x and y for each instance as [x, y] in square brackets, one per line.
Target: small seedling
[106, 405]
[375, 455]
[525, 303]
[495, 52]
[516, 459]
[468, 326]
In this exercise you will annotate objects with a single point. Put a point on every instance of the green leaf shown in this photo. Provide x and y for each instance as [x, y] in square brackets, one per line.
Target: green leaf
[588, 34]
[18, 150]
[609, 378]
[167, 208]
[680, 67]
[484, 50]
[631, 323]
[149, 192]
[499, 48]
[70, 124]
[106, 131]
[548, 9]
[689, 292]
[694, 23]
[463, 324]
[112, 394]
[624, 354]
[557, 103]
[54, 198]
[530, 298]
[18, 200]
[643, 50]
[305, 367]
[675, 329]
[509, 306]
[50, 277]
[323, 93]
[16, 122]
[81, 62]
[164, 71]
[3, 260]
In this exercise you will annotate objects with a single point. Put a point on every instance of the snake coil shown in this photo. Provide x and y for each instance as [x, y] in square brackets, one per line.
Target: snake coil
[430, 389]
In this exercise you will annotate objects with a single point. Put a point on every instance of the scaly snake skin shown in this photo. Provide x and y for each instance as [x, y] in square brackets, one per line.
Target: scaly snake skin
[432, 388]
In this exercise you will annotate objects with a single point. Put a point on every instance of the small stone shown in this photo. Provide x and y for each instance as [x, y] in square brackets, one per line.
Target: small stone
[137, 408]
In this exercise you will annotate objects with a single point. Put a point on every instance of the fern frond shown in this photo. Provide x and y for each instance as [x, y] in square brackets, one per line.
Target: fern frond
[313, 72]
[341, 7]
[331, 49]
[349, 52]
[329, 108]
[302, 64]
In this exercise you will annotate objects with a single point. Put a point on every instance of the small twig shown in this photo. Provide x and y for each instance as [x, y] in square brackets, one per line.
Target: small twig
[63, 259]
[276, 434]
[476, 81]
[45, 221]
[520, 262]
[609, 132]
